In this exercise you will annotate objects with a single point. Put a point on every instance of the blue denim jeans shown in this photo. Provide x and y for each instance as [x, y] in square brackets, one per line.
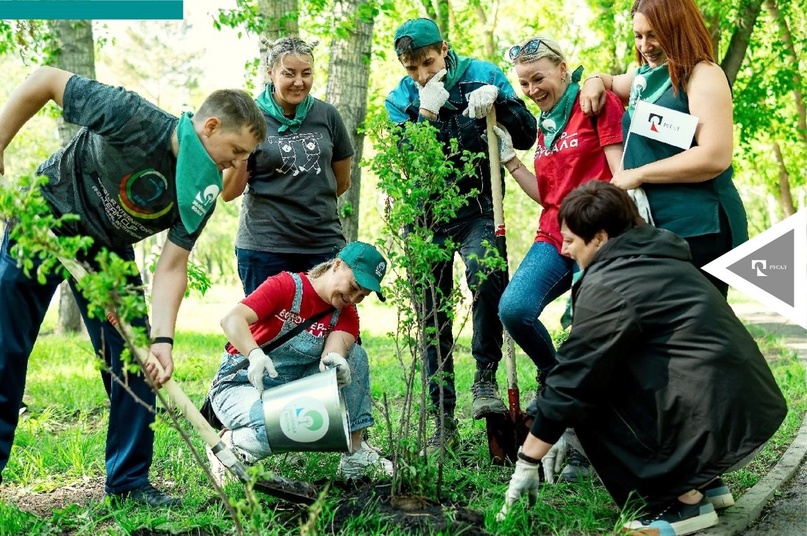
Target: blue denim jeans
[254, 267]
[542, 276]
[486, 344]
[23, 303]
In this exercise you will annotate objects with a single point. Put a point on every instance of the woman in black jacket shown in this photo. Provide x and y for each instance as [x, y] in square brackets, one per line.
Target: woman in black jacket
[662, 383]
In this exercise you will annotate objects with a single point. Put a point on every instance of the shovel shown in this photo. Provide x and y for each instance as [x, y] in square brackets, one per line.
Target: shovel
[282, 488]
[506, 432]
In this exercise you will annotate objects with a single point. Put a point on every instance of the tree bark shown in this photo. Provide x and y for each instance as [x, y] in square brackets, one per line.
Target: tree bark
[792, 60]
[75, 53]
[785, 197]
[348, 79]
[746, 19]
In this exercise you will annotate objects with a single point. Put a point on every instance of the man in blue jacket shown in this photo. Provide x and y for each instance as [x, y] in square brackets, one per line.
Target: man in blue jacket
[455, 94]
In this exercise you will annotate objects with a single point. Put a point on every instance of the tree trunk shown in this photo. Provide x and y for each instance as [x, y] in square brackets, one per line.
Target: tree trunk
[75, 53]
[792, 60]
[282, 20]
[348, 79]
[785, 198]
[746, 19]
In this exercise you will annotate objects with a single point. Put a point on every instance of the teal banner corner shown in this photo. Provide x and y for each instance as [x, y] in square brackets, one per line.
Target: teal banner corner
[91, 9]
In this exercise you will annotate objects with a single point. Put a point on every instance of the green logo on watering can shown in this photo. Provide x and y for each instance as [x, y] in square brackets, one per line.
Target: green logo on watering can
[304, 420]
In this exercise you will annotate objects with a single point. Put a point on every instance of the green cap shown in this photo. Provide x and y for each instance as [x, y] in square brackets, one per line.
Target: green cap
[423, 32]
[368, 265]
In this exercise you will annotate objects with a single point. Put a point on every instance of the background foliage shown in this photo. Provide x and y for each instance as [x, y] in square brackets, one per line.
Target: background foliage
[770, 136]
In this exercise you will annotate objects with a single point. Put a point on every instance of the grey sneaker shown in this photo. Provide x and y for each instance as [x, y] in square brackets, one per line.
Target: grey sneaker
[486, 394]
[445, 436]
[364, 462]
[578, 468]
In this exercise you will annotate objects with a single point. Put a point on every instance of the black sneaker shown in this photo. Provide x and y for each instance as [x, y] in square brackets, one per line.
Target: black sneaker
[677, 519]
[577, 468]
[718, 493]
[148, 495]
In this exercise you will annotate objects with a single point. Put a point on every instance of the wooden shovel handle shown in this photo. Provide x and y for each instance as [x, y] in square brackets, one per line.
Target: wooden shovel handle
[174, 391]
[501, 237]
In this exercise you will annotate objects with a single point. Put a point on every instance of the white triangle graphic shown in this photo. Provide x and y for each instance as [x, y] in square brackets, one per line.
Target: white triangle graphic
[732, 268]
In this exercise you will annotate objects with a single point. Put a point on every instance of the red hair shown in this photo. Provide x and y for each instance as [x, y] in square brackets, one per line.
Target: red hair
[681, 34]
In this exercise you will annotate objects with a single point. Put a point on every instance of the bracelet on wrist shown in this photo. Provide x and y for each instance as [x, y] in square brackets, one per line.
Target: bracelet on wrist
[528, 459]
[593, 76]
[515, 168]
[163, 340]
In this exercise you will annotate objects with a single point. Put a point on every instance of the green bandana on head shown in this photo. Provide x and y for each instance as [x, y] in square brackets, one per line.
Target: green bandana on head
[649, 85]
[198, 177]
[554, 121]
[268, 104]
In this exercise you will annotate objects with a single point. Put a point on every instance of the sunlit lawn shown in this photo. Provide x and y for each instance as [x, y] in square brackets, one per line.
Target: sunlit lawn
[61, 440]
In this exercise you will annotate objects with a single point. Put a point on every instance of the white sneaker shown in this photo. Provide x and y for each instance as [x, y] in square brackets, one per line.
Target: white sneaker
[365, 461]
[221, 475]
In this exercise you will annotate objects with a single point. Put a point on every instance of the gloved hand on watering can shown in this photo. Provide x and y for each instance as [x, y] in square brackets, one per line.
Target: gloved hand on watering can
[525, 480]
[332, 359]
[554, 459]
[259, 363]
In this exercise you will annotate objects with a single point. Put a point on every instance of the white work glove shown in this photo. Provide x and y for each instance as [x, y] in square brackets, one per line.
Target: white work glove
[642, 204]
[553, 460]
[332, 359]
[506, 151]
[525, 479]
[258, 363]
[480, 101]
[433, 95]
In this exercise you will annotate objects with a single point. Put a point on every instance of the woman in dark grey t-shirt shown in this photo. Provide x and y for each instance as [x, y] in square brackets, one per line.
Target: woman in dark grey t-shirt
[289, 219]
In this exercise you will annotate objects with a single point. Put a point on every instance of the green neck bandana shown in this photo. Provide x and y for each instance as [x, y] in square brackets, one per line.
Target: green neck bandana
[456, 67]
[267, 103]
[554, 121]
[198, 179]
[648, 85]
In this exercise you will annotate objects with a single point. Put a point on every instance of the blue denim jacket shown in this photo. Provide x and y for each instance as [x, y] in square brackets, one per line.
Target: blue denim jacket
[511, 112]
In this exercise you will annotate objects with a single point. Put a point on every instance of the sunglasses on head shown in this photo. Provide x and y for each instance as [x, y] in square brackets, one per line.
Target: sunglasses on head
[530, 48]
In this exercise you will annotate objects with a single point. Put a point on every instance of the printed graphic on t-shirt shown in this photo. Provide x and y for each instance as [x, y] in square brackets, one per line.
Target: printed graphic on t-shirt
[141, 194]
[300, 152]
[566, 141]
[317, 329]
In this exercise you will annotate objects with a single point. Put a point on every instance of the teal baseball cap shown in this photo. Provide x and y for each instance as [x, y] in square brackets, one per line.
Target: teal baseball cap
[368, 265]
[423, 32]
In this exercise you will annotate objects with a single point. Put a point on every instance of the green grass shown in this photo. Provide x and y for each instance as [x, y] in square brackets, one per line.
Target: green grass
[61, 442]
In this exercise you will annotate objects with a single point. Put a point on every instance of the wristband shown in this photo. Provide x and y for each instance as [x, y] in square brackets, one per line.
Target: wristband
[159, 340]
[593, 76]
[528, 459]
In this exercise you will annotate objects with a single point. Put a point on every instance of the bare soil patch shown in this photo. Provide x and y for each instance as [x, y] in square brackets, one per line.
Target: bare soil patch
[42, 504]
